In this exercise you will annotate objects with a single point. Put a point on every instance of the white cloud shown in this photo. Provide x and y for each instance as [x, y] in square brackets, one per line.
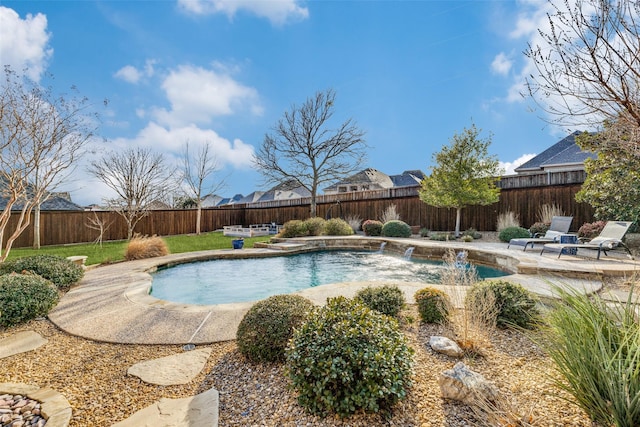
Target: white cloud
[501, 64]
[232, 153]
[24, 43]
[509, 167]
[197, 94]
[129, 73]
[278, 12]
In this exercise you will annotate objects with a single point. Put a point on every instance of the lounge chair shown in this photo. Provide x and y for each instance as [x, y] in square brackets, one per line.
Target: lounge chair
[610, 238]
[559, 226]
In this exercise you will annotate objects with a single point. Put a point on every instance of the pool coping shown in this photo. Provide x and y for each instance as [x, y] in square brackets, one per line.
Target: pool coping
[111, 303]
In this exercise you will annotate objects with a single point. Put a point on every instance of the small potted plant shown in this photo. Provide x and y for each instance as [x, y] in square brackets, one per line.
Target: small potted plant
[237, 243]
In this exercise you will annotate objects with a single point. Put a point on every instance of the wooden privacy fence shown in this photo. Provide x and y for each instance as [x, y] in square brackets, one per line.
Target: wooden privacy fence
[65, 227]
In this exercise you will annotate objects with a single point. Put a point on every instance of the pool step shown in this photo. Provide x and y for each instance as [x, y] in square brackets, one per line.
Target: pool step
[280, 246]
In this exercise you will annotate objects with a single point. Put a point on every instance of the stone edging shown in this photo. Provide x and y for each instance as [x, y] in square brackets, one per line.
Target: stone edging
[55, 407]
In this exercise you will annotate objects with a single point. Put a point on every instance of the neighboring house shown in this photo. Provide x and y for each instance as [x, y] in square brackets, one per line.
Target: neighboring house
[211, 201]
[373, 179]
[563, 156]
[286, 191]
[230, 201]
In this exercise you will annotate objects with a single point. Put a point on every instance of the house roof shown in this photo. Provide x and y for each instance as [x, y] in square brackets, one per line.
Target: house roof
[408, 178]
[366, 176]
[252, 197]
[564, 152]
[290, 189]
[54, 203]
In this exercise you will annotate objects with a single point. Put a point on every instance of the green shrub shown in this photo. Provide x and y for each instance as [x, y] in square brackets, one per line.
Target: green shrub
[385, 299]
[396, 228]
[315, 226]
[424, 232]
[294, 228]
[338, 227]
[467, 238]
[264, 331]
[371, 227]
[515, 305]
[24, 297]
[596, 347]
[472, 232]
[58, 270]
[346, 358]
[441, 237]
[539, 228]
[513, 233]
[433, 305]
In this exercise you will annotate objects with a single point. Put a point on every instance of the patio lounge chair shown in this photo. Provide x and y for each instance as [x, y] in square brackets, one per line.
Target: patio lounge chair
[559, 226]
[610, 238]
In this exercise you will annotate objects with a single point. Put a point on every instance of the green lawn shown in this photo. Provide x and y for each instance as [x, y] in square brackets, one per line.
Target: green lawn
[114, 251]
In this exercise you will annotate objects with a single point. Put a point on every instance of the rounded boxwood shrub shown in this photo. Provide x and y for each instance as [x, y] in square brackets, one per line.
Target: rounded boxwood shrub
[315, 226]
[346, 358]
[396, 228]
[294, 228]
[264, 331]
[384, 299]
[337, 227]
[515, 305]
[433, 305]
[371, 227]
[513, 233]
[58, 270]
[24, 297]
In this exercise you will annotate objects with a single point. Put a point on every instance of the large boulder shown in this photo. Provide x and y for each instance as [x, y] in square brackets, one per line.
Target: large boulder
[461, 383]
[445, 346]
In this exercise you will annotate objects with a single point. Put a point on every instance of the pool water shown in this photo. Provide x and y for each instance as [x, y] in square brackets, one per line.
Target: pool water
[239, 280]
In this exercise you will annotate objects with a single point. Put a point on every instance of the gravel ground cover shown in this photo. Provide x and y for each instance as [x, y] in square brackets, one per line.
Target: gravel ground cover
[93, 377]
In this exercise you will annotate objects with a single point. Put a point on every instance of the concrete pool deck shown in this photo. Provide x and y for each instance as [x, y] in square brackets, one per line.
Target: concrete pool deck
[112, 302]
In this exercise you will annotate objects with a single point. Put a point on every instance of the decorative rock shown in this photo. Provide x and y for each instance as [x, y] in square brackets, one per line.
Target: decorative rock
[198, 411]
[54, 409]
[171, 370]
[461, 383]
[445, 346]
[20, 342]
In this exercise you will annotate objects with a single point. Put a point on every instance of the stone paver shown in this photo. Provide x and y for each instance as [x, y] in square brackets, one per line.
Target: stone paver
[175, 369]
[20, 342]
[198, 411]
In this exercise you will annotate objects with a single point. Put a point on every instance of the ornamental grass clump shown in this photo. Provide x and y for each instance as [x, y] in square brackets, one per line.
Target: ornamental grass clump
[433, 305]
[58, 270]
[264, 331]
[348, 358]
[142, 247]
[338, 227]
[386, 299]
[396, 228]
[24, 297]
[515, 306]
[595, 345]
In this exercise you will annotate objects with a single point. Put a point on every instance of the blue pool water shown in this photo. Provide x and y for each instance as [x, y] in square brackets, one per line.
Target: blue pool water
[238, 280]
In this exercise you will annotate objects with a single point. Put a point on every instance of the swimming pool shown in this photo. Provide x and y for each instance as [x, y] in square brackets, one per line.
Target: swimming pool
[239, 280]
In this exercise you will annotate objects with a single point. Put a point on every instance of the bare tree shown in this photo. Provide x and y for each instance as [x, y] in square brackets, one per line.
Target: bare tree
[41, 139]
[138, 177]
[196, 170]
[100, 225]
[304, 149]
[588, 66]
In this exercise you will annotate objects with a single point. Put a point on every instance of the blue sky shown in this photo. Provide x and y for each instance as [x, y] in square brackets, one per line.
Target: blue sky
[410, 73]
